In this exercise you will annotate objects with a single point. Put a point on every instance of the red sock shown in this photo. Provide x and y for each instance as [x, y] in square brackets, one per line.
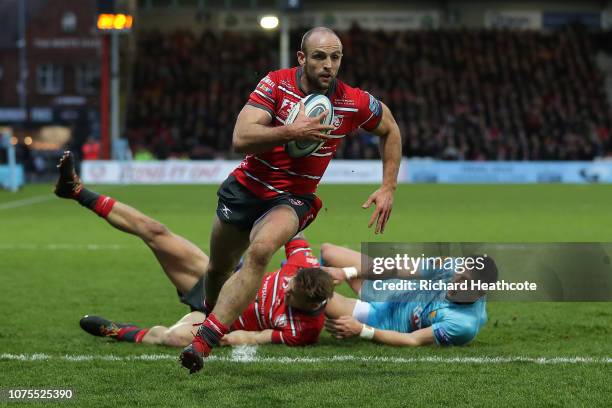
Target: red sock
[140, 335]
[131, 334]
[212, 330]
[295, 244]
[103, 206]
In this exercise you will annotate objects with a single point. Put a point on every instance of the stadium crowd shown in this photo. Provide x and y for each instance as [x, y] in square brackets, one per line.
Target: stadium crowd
[456, 94]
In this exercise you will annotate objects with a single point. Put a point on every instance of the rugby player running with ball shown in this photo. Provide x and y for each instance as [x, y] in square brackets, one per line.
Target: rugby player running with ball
[270, 196]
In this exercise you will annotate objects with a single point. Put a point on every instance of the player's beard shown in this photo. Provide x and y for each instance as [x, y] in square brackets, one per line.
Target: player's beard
[314, 80]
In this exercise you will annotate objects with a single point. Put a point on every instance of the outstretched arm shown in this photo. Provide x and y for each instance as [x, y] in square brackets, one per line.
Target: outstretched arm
[345, 264]
[240, 337]
[391, 152]
[347, 326]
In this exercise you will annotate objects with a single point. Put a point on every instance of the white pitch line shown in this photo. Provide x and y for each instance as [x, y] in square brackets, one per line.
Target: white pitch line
[244, 353]
[26, 201]
[62, 247]
[239, 357]
[38, 199]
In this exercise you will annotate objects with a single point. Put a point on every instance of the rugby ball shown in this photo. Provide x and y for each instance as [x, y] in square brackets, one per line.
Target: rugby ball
[314, 105]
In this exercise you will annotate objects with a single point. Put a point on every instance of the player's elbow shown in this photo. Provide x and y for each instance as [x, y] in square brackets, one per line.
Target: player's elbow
[238, 143]
[408, 342]
[400, 340]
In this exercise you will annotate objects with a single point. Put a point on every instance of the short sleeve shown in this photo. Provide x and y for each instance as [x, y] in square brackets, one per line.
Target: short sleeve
[265, 94]
[453, 333]
[369, 111]
[300, 338]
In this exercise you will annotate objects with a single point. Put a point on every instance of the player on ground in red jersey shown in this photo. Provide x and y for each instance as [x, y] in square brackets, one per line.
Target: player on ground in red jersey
[270, 196]
[289, 304]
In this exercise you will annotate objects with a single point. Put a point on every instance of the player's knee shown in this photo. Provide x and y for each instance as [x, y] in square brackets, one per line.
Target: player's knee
[260, 253]
[155, 334]
[326, 249]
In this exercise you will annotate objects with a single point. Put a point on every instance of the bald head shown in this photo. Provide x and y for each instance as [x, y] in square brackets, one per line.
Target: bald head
[315, 34]
[320, 56]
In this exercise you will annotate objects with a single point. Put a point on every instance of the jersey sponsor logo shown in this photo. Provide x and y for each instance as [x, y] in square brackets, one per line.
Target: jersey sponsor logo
[375, 107]
[286, 106]
[442, 336]
[264, 88]
[343, 101]
[267, 80]
[264, 290]
[337, 121]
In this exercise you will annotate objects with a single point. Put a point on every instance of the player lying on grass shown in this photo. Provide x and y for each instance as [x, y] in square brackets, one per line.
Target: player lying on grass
[409, 317]
[289, 304]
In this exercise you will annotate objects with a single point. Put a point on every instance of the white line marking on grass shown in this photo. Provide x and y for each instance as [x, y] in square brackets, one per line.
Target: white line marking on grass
[26, 201]
[39, 199]
[247, 354]
[244, 353]
[62, 247]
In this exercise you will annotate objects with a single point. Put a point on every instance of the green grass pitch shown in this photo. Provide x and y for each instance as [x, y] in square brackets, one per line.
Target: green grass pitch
[59, 261]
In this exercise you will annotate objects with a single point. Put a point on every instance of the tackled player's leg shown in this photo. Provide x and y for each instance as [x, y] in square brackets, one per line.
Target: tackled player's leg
[177, 335]
[182, 261]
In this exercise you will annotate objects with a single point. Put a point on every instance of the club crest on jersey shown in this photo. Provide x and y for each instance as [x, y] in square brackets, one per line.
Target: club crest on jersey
[337, 121]
[280, 321]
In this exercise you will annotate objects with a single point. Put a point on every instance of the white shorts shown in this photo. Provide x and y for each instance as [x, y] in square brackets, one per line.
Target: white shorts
[361, 311]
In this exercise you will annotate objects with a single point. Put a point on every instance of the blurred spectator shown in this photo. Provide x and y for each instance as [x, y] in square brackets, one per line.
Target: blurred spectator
[91, 149]
[142, 154]
[456, 94]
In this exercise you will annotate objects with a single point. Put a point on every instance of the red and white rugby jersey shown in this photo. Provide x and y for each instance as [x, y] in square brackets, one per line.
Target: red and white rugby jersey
[275, 172]
[291, 326]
